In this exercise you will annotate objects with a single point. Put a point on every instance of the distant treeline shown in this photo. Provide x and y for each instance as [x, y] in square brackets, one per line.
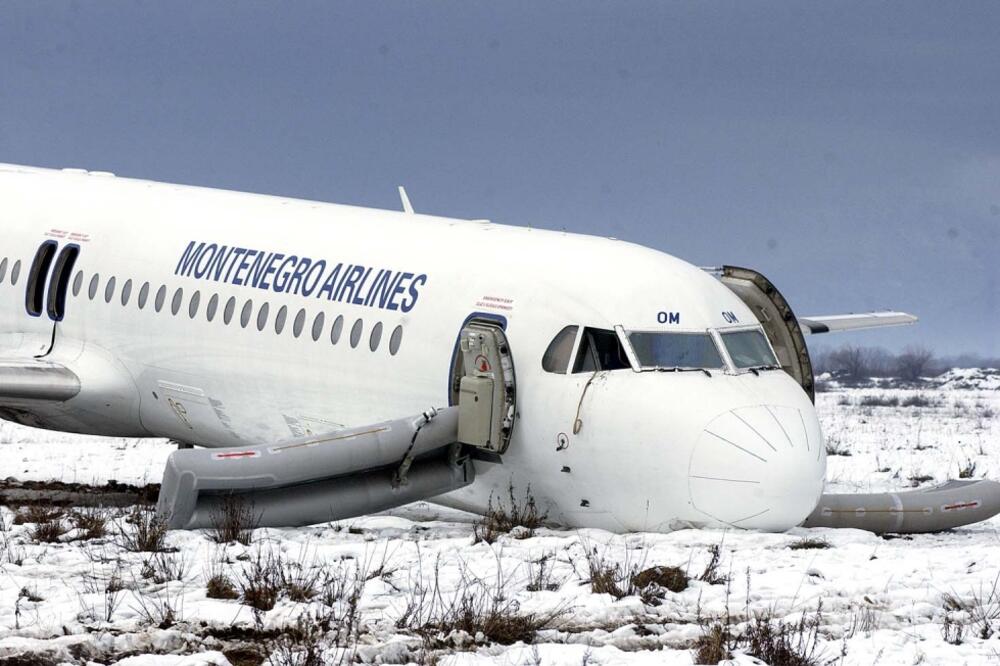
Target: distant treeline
[858, 363]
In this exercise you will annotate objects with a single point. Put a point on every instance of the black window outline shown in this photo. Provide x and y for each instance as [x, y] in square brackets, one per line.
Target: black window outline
[229, 311]
[317, 326]
[161, 298]
[280, 319]
[356, 331]
[55, 301]
[212, 308]
[375, 337]
[38, 274]
[194, 304]
[109, 289]
[395, 340]
[262, 315]
[126, 292]
[140, 301]
[337, 329]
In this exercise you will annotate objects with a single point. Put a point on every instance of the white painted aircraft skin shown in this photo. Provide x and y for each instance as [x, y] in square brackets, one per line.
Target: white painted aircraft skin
[656, 450]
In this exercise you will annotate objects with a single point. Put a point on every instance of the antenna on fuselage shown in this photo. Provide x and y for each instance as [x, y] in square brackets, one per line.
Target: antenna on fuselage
[407, 206]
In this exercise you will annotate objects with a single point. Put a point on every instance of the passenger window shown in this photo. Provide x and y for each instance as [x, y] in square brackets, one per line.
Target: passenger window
[109, 290]
[338, 328]
[317, 329]
[161, 297]
[600, 349]
[59, 285]
[34, 298]
[245, 315]
[126, 292]
[356, 333]
[279, 319]
[175, 305]
[300, 323]
[3, 269]
[193, 305]
[92, 289]
[395, 339]
[15, 272]
[262, 316]
[227, 314]
[143, 295]
[213, 307]
[376, 337]
[556, 357]
[77, 282]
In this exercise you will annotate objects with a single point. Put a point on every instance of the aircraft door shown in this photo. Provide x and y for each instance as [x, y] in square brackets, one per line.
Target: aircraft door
[483, 386]
[777, 319]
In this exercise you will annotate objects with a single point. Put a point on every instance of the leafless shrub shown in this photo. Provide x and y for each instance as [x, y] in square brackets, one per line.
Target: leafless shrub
[479, 608]
[781, 643]
[299, 645]
[142, 530]
[92, 522]
[299, 581]
[711, 573]
[980, 611]
[610, 576]
[220, 586]
[918, 400]
[234, 520]
[260, 581]
[540, 575]
[503, 519]
[110, 585]
[163, 609]
[864, 620]
[879, 400]
[36, 513]
[914, 363]
[968, 470]
[844, 401]
[918, 479]
[163, 567]
[809, 544]
[834, 447]
[50, 531]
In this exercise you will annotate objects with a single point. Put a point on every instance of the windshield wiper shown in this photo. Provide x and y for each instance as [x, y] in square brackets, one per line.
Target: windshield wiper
[679, 369]
[755, 369]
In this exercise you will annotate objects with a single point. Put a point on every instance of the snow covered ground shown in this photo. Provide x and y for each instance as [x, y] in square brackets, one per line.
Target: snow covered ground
[387, 577]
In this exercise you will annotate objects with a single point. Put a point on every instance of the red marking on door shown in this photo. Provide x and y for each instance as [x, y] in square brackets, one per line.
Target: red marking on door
[960, 505]
[482, 364]
[236, 454]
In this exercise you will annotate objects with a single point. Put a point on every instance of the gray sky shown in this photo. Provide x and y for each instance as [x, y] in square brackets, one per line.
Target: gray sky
[849, 151]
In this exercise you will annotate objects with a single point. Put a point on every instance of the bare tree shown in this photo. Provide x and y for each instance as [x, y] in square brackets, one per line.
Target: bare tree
[850, 362]
[914, 363]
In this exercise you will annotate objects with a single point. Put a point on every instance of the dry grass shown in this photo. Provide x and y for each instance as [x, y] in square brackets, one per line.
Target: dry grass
[809, 544]
[220, 586]
[143, 530]
[234, 520]
[92, 522]
[518, 516]
[50, 531]
[36, 513]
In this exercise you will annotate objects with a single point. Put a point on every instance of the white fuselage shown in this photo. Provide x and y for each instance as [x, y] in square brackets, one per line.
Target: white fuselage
[633, 450]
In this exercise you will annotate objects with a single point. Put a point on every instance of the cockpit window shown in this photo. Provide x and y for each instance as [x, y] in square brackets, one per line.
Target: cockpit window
[600, 350]
[556, 357]
[678, 351]
[749, 349]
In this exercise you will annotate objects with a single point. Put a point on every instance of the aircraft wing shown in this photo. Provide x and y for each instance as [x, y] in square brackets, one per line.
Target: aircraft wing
[854, 322]
[33, 379]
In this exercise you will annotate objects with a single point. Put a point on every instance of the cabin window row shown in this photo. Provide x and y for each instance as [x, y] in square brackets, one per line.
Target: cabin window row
[15, 271]
[245, 315]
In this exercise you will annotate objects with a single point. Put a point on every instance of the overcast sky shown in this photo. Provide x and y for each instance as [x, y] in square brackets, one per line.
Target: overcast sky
[849, 151]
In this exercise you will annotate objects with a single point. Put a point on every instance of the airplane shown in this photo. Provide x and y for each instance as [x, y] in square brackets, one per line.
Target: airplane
[327, 361]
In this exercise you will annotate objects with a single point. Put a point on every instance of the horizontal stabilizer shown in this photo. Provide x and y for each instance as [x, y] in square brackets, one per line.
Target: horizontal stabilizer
[854, 322]
[31, 379]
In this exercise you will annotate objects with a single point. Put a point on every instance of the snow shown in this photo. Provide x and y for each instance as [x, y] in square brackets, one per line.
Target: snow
[883, 601]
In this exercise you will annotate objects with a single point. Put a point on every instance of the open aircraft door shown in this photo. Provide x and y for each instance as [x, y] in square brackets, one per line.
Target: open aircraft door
[483, 386]
[778, 320]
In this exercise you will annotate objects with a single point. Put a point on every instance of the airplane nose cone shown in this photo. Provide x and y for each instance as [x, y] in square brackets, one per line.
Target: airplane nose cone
[759, 467]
